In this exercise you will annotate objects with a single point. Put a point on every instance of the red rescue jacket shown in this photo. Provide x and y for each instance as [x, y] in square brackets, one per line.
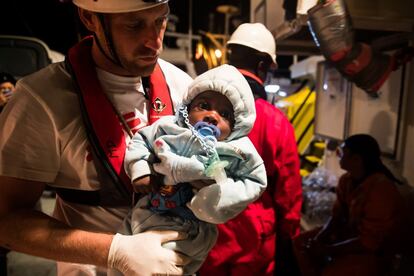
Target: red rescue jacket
[246, 245]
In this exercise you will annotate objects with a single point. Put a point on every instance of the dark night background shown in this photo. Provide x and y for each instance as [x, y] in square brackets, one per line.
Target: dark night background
[56, 23]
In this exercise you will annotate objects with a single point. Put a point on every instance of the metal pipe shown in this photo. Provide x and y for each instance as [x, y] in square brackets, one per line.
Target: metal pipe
[331, 28]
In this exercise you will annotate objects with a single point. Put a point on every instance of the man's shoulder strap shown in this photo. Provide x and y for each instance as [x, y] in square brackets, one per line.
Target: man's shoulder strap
[101, 122]
[158, 93]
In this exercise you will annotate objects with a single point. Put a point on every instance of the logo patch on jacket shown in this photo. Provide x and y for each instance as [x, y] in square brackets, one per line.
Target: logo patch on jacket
[158, 106]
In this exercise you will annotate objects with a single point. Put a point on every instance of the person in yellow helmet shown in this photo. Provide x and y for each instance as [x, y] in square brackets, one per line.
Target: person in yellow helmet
[68, 128]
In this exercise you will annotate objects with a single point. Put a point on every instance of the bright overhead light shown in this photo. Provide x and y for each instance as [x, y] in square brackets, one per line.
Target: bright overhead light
[272, 88]
[282, 93]
[218, 53]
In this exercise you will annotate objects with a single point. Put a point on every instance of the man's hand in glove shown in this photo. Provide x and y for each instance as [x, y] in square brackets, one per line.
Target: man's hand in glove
[143, 254]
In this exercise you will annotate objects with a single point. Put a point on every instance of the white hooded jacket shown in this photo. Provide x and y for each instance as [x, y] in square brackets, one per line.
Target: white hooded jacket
[246, 173]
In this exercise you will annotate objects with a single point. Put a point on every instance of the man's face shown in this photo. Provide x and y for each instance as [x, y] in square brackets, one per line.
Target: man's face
[214, 108]
[137, 38]
[347, 160]
[6, 89]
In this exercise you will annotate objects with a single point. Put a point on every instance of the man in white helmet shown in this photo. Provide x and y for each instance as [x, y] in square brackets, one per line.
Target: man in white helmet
[68, 126]
[247, 245]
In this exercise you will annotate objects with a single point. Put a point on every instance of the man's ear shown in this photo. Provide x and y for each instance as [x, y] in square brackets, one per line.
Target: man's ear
[261, 70]
[260, 66]
[89, 19]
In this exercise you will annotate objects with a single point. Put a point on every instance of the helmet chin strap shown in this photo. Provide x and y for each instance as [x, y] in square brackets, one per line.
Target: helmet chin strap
[113, 57]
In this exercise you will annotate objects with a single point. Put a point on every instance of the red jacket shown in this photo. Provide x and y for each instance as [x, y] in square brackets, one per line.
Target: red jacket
[246, 244]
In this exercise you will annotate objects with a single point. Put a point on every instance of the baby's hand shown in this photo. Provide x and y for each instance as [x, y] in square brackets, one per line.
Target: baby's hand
[143, 185]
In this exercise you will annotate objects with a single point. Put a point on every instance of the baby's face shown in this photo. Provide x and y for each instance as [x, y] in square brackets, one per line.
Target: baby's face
[213, 108]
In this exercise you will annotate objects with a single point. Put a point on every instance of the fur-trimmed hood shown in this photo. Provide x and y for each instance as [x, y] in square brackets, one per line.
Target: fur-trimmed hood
[227, 80]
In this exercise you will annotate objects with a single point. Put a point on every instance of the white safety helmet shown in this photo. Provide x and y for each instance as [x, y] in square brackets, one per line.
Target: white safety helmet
[117, 6]
[256, 36]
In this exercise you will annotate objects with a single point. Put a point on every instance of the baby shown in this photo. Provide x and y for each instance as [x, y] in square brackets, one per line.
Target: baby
[211, 171]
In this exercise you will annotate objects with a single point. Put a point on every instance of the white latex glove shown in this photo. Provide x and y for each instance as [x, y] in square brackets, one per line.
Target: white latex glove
[143, 254]
[178, 169]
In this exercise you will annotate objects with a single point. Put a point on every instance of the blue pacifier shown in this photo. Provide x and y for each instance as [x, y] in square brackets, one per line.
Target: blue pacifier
[215, 167]
[207, 130]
